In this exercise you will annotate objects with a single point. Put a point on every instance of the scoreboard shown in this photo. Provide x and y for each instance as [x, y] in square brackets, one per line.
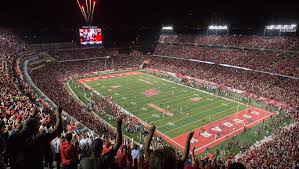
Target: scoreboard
[90, 35]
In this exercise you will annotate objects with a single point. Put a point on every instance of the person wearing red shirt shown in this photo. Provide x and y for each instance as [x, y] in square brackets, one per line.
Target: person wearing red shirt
[106, 148]
[68, 152]
[123, 158]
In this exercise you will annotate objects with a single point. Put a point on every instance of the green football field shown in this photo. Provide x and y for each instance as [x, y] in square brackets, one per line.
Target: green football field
[175, 109]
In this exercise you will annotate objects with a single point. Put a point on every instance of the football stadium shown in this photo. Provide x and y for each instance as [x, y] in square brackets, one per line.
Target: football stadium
[92, 87]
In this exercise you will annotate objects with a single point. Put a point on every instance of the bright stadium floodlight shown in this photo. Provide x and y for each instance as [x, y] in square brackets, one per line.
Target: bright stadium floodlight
[292, 28]
[167, 28]
[282, 28]
[218, 27]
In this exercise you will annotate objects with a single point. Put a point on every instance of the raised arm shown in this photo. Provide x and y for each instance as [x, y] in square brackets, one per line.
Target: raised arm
[193, 157]
[58, 126]
[187, 147]
[148, 143]
[119, 137]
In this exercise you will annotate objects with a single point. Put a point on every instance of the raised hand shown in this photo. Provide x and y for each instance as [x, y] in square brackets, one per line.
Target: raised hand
[187, 147]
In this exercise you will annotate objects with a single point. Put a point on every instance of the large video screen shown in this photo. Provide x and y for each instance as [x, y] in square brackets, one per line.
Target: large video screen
[90, 36]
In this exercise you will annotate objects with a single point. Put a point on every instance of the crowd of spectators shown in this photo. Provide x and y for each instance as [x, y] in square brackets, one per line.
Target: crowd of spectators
[284, 63]
[52, 77]
[242, 41]
[72, 54]
[258, 83]
[280, 152]
[28, 130]
[269, 86]
[21, 118]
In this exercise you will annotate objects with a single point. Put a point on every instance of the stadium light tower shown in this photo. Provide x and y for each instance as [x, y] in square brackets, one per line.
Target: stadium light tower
[167, 29]
[291, 28]
[217, 28]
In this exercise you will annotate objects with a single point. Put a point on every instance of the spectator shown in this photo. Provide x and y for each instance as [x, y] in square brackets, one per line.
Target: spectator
[26, 144]
[56, 150]
[84, 147]
[123, 159]
[68, 152]
[106, 148]
[165, 158]
[96, 160]
[136, 153]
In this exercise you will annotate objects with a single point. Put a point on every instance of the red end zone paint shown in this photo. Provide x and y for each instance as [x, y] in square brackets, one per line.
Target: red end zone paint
[204, 137]
[82, 81]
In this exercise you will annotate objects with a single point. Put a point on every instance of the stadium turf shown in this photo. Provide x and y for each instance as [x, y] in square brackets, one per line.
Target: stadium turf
[175, 109]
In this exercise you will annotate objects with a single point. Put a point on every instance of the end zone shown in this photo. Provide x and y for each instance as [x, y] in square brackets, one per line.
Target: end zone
[215, 133]
[85, 80]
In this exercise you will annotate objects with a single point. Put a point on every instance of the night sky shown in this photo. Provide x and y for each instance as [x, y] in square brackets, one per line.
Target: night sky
[35, 13]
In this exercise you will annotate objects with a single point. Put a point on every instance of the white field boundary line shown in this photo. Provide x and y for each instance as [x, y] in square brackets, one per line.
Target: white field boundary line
[73, 93]
[136, 117]
[200, 119]
[202, 91]
[233, 132]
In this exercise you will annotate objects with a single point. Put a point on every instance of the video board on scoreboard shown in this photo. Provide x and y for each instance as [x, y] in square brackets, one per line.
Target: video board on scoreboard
[90, 35]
